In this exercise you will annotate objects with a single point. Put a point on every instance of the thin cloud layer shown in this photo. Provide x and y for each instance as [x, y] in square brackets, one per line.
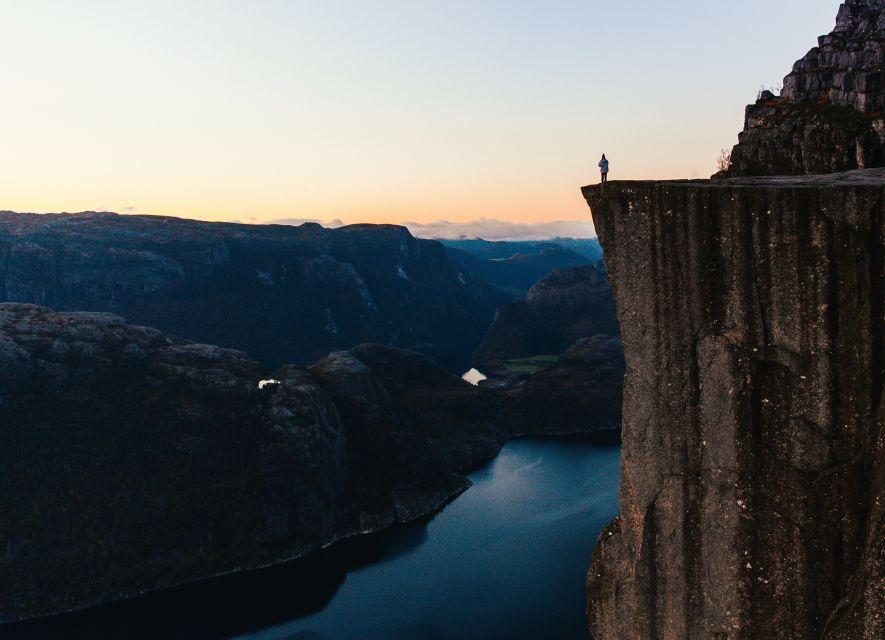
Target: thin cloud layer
[329, 224]
[485, 228]
[494, 229]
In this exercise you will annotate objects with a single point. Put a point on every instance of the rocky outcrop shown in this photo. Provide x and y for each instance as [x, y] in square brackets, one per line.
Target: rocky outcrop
[846, 66]
[753, 460]
[554, 359]
[829, 117]
[283, 294]
[411, 425]
[565, 306]
[132, 460]
[581, 393]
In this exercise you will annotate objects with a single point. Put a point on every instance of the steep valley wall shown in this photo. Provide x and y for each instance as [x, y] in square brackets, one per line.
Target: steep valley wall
[752, 468]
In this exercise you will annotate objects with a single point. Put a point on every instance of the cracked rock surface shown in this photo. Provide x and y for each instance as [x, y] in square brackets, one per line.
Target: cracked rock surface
[753, 456]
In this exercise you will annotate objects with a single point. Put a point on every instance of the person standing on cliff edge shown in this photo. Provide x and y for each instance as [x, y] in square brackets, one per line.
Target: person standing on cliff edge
[603, 168]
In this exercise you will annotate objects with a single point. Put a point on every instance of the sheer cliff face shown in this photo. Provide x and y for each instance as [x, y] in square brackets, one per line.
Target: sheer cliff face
[131, 460]
[752, 477]
[283, 294]
[829, 116]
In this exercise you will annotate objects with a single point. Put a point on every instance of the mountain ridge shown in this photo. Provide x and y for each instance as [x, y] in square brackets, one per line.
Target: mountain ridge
[282, 293]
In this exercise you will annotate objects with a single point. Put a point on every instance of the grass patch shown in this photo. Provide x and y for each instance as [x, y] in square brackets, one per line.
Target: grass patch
[530, 365]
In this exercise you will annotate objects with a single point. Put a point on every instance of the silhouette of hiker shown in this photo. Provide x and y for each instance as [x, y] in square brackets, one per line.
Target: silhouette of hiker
[603, 168]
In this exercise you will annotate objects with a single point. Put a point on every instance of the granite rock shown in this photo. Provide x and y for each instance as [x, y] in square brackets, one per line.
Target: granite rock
[829, 116]
[753, 460]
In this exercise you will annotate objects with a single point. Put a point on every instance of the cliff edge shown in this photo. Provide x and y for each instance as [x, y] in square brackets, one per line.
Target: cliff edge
[753, 461]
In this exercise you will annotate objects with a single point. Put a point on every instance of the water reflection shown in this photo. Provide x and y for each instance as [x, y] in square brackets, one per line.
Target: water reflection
[507, 559]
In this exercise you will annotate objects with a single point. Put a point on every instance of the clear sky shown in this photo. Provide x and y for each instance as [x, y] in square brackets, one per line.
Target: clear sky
[375, 110]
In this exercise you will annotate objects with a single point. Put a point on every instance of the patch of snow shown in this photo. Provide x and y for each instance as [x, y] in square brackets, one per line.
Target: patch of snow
[474, 377]
[264, 383]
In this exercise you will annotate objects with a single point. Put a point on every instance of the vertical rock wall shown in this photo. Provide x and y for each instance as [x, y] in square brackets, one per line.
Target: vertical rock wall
[752, 475]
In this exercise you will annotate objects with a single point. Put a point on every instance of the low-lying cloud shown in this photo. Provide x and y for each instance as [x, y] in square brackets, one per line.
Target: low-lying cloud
[494, 229]
[295, 222]
[485, 228]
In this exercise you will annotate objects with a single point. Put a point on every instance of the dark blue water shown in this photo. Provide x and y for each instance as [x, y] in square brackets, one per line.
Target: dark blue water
[506, 560]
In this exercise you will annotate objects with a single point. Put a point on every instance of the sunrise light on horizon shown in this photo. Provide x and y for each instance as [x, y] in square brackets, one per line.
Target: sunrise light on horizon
[387, 111]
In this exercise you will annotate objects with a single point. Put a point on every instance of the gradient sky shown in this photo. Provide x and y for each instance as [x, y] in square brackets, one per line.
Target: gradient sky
[375, 110]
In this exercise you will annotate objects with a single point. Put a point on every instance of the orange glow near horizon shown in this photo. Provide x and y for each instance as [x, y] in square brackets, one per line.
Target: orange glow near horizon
[398, 111]
[534, 193]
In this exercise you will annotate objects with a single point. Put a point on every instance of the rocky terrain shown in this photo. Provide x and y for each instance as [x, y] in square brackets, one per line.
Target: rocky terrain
[582, 392]
[133, 460]
[500, 249]
[830, 116]
[565, 306]
[753, 460]
[283, 294]
[515, 273]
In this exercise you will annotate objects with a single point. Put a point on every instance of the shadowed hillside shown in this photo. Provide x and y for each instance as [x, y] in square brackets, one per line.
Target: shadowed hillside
[513, 267]
[282, 293]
